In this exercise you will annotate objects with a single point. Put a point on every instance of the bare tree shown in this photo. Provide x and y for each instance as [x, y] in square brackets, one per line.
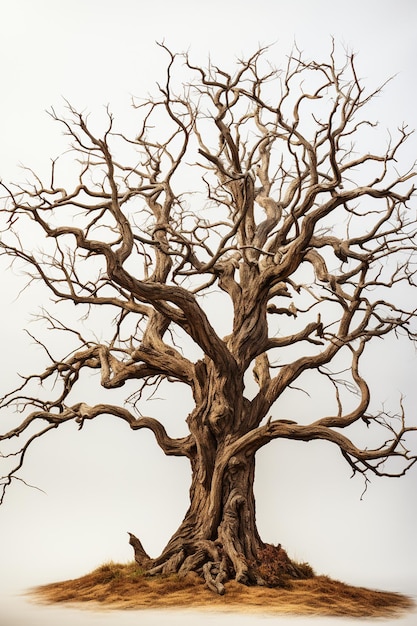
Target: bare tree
[307, 235]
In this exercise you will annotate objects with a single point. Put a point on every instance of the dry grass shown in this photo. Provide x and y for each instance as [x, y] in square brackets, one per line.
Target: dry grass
[115, 586]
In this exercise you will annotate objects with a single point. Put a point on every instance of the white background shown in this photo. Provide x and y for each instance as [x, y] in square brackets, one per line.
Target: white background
[106, 480]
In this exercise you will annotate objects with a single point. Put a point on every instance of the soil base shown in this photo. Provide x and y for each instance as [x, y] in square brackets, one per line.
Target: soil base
[116, 586]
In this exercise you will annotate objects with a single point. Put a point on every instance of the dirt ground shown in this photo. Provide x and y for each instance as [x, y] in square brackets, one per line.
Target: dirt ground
[116, 586]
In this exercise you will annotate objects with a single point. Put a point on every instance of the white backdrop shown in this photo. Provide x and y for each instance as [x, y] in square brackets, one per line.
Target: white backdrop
[106, 480]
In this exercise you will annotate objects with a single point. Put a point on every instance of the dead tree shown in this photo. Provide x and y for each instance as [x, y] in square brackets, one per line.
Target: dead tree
[255, 185]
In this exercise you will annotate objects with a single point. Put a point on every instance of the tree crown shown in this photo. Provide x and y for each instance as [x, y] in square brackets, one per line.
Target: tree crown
[258, 190]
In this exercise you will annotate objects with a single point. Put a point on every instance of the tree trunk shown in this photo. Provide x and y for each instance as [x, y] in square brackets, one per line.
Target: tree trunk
[218, 538]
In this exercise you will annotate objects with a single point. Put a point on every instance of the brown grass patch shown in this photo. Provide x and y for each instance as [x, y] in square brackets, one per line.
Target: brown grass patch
[116, 586]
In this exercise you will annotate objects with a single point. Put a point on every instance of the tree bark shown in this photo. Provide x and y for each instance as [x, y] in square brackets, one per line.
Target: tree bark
[218, 538]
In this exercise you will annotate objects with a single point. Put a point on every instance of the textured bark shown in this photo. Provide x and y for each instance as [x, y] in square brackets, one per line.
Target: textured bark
[218, 537]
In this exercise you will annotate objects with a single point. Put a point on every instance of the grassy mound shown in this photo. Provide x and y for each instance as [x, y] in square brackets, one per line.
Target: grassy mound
[117, 586]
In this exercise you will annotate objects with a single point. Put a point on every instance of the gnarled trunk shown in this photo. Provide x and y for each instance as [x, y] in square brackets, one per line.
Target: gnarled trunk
[218, 537]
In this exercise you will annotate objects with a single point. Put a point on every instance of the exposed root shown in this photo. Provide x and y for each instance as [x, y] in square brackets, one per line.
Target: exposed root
[217, 563]
[215, 575]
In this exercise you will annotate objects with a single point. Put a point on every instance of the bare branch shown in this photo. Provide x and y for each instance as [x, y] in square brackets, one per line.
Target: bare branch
[251, 225]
